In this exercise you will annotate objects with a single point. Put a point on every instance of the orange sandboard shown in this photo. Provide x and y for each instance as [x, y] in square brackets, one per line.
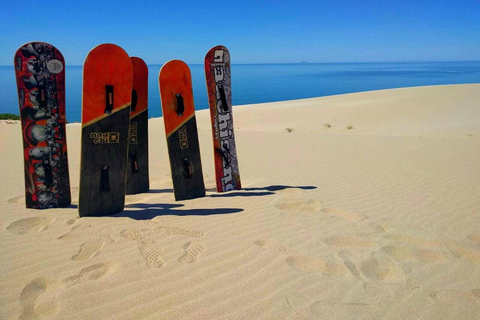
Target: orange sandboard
[107, 93]
[178, 111]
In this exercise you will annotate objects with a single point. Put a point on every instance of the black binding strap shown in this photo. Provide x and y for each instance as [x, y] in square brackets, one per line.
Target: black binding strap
[105, 180]
[223, 98]
[133, 157]
[134, 100]
[18, 63]
[180, 105]
[48, 173]
[187, 168]
[108, 99]
[42, 93]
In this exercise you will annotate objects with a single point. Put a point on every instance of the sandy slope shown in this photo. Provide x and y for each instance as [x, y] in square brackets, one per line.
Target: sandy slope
[378, 221]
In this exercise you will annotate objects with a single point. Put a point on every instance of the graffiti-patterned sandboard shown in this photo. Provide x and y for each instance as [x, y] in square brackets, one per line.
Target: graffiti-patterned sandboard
[40, 74]
[106, 97]
[218, 76]
[181, 130]
[137, 168]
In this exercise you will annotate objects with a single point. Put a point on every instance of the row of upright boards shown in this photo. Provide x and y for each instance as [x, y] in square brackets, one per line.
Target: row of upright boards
[114, 145]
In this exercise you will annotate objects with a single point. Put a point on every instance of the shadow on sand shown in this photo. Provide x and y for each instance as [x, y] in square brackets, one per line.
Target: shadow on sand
[266, 191]
[146, 211]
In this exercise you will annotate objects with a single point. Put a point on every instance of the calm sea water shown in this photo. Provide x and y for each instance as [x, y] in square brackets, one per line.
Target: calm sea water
[257, 83]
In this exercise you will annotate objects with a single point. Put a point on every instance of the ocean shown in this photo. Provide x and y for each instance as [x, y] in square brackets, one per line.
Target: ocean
[259, 83]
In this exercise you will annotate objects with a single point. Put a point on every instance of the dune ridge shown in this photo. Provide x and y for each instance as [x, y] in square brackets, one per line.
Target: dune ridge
[354, 206]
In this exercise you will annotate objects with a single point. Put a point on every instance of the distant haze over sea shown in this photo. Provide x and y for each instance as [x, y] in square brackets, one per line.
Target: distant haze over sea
[259, 83]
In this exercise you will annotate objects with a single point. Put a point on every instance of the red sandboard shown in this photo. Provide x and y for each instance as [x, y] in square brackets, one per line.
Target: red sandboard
[40, 74]
[217, 74]
[137, 168]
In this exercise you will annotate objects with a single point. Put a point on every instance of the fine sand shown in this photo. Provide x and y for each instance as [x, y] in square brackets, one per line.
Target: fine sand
[357, 206]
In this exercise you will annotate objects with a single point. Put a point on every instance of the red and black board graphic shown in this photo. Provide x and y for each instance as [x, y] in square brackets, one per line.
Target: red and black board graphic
[178, 110]
[218, 76]
[106, 97]
[40, 74]
[137, 168]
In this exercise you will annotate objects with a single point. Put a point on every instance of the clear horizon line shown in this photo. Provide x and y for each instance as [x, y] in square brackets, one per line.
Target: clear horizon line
[306, 62]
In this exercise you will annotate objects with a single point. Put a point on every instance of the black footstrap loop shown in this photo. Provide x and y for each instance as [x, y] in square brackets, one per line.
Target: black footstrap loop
[108, 99]
[105, 179]
[187, 168]
[48, 173]
[134, 100]
[180, 106]
[42, 101]
[133, 158]
[223, 98]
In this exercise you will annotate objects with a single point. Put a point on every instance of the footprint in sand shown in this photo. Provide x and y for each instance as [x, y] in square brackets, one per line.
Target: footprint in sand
[474, 237]
[192, 250]
[92, 247]
[315, 265]
[272, 245]
[337, 241]
[141, 236]
[345, 215]
[15, 199]
[381, 268]
[71, 234]
[304, 263]
[33, 224]
[344, 311]
[465, 253]
[408, 254]
[415, 240]
[39, 298]
[89, 249]
[298, 205]
[153, 256]
[91, 273]
[299, 305]
[71, 221]
[180, 231]
[456, 297]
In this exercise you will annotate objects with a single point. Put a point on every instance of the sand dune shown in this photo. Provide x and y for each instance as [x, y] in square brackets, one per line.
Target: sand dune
[355, 206]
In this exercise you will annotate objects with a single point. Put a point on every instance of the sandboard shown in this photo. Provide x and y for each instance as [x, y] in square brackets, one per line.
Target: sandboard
[137, 167]
[178, 111]
[106, 97]
[218, 76]
[40, 74]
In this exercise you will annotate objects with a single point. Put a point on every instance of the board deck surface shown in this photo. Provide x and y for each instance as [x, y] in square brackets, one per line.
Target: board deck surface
[181, 130]
[106, 97]
[218, 77]
[40, 74]
[137, 167]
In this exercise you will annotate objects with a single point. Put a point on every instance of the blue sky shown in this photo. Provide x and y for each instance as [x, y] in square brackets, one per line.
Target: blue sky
[254, 31]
